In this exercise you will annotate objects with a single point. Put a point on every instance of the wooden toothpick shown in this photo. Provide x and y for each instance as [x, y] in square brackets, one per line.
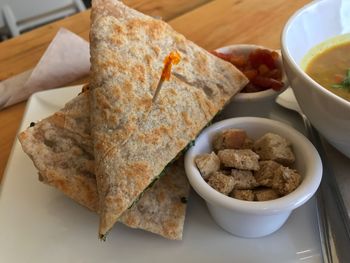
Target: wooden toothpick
[172, 58]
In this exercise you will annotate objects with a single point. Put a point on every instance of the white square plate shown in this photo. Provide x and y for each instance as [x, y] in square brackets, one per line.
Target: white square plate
[40, 224]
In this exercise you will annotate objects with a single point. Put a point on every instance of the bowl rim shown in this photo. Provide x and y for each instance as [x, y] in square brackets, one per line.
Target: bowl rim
[269, 93]
[287, 55]
[299, 196]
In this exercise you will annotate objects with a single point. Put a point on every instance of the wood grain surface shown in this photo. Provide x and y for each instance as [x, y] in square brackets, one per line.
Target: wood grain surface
[225, 22]
[165, 9]
[210, 24]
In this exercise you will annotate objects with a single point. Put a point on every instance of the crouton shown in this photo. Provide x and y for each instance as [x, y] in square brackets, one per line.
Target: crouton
[265, 194]
[248, 144]
[285, 180]
[229, 139]
[274, 147]
[221, 182]
[246, 195]
[264, 176]
[244, 179]
[240, 159]
[207, 163]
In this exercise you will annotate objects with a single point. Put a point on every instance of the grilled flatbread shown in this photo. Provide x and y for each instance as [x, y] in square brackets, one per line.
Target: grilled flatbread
[134, 139]
[61, 148]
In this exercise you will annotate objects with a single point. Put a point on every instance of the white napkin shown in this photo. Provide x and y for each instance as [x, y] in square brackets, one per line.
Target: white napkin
[66, 59]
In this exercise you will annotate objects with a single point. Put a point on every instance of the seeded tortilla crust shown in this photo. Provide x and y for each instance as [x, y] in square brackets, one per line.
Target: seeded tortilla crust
[134, 139]
[61, 148]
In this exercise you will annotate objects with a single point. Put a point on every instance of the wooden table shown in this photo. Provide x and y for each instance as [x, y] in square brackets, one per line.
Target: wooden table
[210, 24]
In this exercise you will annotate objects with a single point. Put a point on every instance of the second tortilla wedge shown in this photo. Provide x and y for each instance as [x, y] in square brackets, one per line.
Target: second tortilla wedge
[61, 149]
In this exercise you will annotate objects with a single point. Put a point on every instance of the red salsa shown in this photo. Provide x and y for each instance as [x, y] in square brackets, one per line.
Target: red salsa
[260, 67]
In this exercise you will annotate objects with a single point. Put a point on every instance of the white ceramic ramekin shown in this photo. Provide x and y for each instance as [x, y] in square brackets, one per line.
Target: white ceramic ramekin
[247, 218]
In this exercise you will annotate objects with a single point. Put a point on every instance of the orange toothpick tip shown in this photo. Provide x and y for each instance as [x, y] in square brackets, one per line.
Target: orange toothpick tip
[172, 59]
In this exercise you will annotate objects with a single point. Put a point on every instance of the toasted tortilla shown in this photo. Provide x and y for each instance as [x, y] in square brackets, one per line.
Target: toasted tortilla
[61, 148]
[134, 139]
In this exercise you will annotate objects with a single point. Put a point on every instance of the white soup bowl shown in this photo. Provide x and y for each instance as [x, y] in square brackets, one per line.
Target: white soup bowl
[308, 27]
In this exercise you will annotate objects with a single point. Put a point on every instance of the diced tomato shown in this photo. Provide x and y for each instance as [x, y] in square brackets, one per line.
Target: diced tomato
[275, 55]
[262, 56]
[260, 67]
[238, 60]
[250, 73]
[262, 82]
[263, 70]
[338, 78]
[267, 83]
[275, 74]
[276, 85]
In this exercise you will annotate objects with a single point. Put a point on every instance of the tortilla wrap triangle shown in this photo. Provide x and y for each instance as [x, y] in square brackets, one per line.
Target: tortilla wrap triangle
[61, 149]
[134, 139]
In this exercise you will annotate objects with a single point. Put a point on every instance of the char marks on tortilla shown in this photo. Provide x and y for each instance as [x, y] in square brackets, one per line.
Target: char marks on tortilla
[61, 149]
[134, 139]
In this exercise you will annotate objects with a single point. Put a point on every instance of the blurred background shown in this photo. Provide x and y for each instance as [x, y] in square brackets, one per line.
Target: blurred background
[87, 3]
[19, 16]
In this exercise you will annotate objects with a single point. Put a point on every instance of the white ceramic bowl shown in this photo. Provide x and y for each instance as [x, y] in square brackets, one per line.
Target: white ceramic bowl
[246, 104]
[248, 218]
[310, 26]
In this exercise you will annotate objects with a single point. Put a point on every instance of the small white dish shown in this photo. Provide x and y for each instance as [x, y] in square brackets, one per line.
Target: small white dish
[247, 218]
[246, 104]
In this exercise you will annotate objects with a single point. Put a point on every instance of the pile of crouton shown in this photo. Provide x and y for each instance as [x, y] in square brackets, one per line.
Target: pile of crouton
[249, 170]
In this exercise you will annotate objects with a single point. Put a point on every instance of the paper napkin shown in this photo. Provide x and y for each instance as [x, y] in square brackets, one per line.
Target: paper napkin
[66, 59]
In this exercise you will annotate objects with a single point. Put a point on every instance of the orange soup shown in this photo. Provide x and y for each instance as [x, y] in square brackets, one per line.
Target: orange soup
[331, 69]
